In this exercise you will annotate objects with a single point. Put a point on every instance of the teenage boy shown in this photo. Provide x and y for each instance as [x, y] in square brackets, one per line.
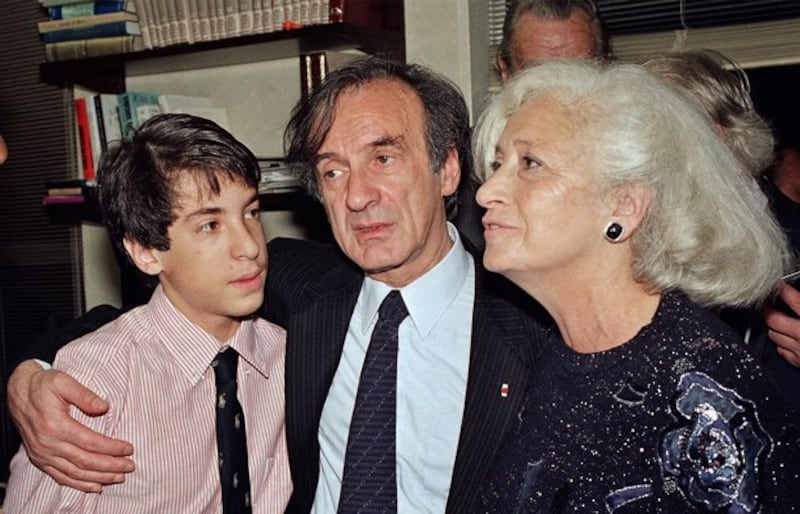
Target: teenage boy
[180, 201]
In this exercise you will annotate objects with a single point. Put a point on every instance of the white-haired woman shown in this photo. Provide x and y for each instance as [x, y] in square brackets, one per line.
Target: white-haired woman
[612, 201]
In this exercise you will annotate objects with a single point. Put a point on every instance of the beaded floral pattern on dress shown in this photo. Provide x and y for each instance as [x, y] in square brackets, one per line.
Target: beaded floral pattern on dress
[716, 451]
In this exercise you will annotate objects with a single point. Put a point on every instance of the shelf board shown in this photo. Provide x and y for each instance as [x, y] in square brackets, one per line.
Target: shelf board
[107, 73]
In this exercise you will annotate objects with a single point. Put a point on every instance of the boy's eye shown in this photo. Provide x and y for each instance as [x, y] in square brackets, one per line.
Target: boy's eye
[208, 227]
[253, 212]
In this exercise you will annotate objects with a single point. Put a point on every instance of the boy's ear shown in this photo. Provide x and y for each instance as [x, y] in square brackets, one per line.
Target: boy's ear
[146, 259]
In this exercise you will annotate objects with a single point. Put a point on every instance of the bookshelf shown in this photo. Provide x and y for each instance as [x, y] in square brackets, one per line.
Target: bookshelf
[256, 77]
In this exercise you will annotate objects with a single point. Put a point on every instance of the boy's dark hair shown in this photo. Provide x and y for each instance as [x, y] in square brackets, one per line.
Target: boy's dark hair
[446, 116]
[136, 179]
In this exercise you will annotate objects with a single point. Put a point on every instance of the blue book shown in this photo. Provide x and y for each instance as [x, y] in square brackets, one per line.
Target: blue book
[135, 107]
[60, 12]
[114, 28]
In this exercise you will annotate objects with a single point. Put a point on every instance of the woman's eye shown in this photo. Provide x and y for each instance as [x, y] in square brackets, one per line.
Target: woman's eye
[530, 162]
[495, 165]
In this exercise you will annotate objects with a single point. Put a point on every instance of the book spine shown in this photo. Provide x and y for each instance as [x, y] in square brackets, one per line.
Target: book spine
[268, 19]
[143, 11]
[314, 14]
[173, 30]
[94, 132]
[82, 122]
[217, 19]
[126, 116]
[278, 14]
[204, 19]
[64, 191]
[58, 12]
[117, 28]
[101, 122]
[304, 12]
[258, 17]
[162, 22]
[191, 26]
[109, 105]
[83, 48]
[245, 17]
[53, 3]
[232, 28]
[85, 21]
[53, 200]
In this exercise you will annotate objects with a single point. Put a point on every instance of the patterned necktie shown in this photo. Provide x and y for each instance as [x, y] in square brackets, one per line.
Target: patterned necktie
[369, 483]
[231, 437]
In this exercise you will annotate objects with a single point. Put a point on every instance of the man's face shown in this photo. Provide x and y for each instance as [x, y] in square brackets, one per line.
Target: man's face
[383, 201]
[537, 39]
[215, 268]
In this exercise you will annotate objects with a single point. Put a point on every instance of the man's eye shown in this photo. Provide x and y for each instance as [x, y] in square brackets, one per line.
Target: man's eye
[331, 174]
[384, 159]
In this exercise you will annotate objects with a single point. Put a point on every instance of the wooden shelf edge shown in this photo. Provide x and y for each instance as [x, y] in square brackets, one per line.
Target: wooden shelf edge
[106, 73]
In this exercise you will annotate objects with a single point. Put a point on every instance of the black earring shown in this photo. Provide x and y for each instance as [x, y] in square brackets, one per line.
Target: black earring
[614, 231]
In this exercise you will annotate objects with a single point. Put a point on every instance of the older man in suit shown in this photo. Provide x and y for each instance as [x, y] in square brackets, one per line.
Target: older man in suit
[383, 146]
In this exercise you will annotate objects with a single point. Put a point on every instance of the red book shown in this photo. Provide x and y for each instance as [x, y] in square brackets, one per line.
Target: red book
[82, 122]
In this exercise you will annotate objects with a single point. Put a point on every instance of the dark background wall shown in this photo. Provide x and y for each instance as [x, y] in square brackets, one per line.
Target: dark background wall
[39, 281]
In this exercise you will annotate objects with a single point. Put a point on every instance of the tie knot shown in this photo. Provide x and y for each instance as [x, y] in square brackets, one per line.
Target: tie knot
[393, 309]
[224, 365]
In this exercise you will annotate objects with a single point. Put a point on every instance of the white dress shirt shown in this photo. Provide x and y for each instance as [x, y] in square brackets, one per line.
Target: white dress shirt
[432, 368]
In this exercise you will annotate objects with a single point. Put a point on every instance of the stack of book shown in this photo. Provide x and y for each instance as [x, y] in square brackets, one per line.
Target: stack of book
[68, 192]
[78, 29]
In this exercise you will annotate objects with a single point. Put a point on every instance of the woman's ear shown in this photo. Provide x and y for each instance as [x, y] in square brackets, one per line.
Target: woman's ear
[629, 207]
[146, 259]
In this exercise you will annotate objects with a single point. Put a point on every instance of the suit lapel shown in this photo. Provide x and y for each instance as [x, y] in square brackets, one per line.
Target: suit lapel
[315, 337]
[495, 386]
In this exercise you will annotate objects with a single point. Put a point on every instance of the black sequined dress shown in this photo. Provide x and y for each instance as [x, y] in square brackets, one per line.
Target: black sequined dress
[679, 419]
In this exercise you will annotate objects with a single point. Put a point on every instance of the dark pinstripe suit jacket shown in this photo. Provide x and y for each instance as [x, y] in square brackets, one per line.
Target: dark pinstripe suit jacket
[312, 290]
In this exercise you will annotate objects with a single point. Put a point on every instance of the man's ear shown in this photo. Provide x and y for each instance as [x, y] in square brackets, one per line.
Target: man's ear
[146, 259]
[630, 205]
[502, 67]
[450, 174]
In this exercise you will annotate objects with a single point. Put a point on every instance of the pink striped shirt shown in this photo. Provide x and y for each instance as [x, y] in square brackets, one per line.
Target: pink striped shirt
[152, 364]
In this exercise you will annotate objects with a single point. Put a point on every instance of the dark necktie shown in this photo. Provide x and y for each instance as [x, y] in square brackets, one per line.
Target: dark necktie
[369, 483]
[231, 437]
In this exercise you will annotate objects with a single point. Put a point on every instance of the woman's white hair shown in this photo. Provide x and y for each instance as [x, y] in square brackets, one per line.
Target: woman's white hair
[708, 231]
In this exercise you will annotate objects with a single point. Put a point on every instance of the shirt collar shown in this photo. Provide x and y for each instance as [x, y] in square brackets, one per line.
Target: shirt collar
[192, 348]
[429, 296]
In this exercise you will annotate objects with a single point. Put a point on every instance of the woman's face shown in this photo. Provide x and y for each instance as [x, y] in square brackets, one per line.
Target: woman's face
[545, 213]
